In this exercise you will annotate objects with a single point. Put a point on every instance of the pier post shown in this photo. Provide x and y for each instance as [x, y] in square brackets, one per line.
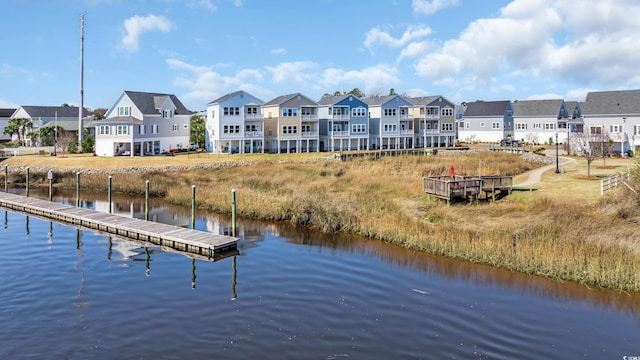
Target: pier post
[193, 206]
[146, 201]
[233, 212]
[27, 181]
[50, 189]
[109, 194]
[78, 189]
[6, 178]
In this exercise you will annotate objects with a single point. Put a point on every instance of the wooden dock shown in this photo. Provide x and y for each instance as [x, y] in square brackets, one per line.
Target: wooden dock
[451, 188]
[175, 237]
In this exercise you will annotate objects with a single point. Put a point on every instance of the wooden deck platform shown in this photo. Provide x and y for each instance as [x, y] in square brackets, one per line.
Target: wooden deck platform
[466, 187]
[175, 237]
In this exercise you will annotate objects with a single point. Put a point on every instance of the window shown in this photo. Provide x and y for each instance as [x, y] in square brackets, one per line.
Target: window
[225, 129]
[390, 112]
[359, 112]
[142, 129]
[467, 125]
[124, 110]
[213, 114]
[521, 126]
[495, 125]
[615, 128]
[549, 126]
[390, 127]
[166, 114]
[482, 124]
[305, 128]
[225, 111]
[104, 129]
[595, 130]
[154, 128]
[123, 130]
[237, 129]
[236, 111]
[289, 112]
[536, 125]
[446, 112]
[447, 127]
[358, 128]
[306, 111]
[289, 129]
[175, 127]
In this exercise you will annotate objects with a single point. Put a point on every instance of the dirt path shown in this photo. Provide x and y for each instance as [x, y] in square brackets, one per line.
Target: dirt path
[536, 174]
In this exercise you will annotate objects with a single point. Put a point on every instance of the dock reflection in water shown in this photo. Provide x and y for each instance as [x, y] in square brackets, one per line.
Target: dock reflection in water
[288, 292]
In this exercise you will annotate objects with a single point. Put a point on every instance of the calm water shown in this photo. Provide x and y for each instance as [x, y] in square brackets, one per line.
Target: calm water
[289, 293]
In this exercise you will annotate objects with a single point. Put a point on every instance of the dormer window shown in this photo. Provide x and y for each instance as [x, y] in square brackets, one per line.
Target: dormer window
[167, 114]
[124, 110]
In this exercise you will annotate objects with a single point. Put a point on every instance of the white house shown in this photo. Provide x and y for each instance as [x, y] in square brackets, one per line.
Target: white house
[614, 115]
[141, 123]
[486, 121]
[390, 121]
[235, 124]
[539, 121]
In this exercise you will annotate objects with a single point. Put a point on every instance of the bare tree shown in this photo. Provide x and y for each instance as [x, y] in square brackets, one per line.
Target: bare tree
[533, 139]
[374, 93]
[64, 139]
[585, 147]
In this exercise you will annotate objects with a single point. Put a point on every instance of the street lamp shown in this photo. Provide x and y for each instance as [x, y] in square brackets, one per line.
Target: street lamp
[557, 167]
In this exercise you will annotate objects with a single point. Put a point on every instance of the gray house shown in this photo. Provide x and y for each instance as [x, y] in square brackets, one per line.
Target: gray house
[142, 123]
[538, 121]
[391, 123]
[65, 117]
[5, 115]
[486, 121]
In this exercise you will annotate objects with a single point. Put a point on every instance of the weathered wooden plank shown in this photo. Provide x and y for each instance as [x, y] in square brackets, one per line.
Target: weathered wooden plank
[190, 240]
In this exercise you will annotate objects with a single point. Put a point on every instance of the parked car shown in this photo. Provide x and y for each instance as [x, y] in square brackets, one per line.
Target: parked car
[508, 141]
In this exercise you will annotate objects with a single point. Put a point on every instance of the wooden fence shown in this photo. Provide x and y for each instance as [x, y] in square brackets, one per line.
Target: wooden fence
[614, 181]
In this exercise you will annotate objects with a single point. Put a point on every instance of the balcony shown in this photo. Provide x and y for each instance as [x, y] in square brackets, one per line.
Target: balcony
[429, 131]
[309, 117]
[429, 117]
[406, 132]
[253, 134]
[339, 117]
[309, 134]
[255, 117]
[339, 133]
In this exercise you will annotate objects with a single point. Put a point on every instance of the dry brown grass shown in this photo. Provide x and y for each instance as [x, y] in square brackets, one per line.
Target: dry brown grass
[564, 230]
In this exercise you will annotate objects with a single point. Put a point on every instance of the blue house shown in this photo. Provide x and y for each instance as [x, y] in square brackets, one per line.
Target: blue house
[344, 123]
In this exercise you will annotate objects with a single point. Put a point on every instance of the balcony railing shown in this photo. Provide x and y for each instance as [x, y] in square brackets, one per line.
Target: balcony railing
[253, 117]
[253, 134]
[309, 117]
[343, 117]
[428, 116]
[307, 134]
[339, 133]
[406, 132]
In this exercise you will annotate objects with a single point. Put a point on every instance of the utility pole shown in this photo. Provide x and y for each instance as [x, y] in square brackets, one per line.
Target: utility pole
[80, 109]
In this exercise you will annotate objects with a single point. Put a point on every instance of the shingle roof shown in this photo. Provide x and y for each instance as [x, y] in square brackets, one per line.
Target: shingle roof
[124, 120]
[550, 108]
[331, 99]
[424, 100]
[620, 102]
[284, 98]
[52, 111]
[5, 113]
[149, 103]
[233, 94]
[486, 108]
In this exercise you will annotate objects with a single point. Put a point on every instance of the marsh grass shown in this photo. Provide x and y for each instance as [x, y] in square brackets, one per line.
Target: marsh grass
[593, 242]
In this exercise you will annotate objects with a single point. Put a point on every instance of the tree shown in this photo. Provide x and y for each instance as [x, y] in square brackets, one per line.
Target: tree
[98, 114]
[87, 143]
[18, 126]
[65, 141]
[357, 93]
[48, 134]
[337, 93]
[584, 143]
[392, 91]
[374, 93]
[533, 139]
[198, 126]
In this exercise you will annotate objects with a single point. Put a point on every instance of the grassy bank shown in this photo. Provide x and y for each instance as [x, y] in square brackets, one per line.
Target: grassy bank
[563, 231]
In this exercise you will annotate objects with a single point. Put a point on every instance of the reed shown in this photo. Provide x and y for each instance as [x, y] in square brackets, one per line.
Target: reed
[592, 243]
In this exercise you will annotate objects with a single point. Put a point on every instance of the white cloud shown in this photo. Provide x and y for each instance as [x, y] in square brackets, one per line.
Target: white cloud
[203, 83]
[378, 36]
[296, 71]
[430, 7]
[414, 49]
[583, 41]
[279, 51]
[367, 79]
[137, 25]
[204, 4]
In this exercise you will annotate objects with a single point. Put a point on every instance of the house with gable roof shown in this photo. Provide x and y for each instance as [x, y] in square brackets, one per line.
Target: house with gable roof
[65, 117]
[613, 115]
[235, 124]
[344, 123]
[538, 121]
[390, 122]
[5, 115]
[434, 120]
[291, 123]
[486, 121]
[143, 123]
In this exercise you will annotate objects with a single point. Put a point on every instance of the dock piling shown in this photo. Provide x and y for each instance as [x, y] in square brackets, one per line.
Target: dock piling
[193, 206]
[146, 201]
[109, 192]
[78, 189]
[233, 212]
[27, 181]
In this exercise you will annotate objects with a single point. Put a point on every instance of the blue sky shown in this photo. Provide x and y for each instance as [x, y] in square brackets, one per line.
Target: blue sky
[200, 50]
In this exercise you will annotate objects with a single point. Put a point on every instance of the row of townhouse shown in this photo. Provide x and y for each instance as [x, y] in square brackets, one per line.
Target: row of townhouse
[241, 123]
[604, 115]
[143, 123]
